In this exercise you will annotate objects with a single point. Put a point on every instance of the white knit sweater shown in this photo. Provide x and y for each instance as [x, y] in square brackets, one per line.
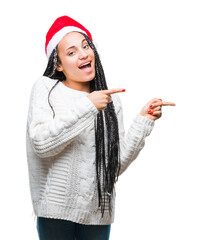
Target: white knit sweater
[61, 152]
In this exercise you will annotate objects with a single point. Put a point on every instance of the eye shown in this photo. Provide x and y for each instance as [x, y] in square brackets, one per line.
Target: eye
[71, 53]
[86, 46]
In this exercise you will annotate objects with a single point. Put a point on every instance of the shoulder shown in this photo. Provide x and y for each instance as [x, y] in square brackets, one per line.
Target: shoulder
[44, 83]
[41, 88]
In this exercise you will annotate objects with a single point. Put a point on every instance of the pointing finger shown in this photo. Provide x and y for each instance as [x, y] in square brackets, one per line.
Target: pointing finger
[114, 90]
[168, 104]
[160, 103]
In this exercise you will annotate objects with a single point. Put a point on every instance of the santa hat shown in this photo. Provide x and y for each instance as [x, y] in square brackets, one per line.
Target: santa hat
[59, 29]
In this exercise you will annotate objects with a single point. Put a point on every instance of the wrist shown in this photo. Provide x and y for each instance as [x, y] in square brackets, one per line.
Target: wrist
[148, 116]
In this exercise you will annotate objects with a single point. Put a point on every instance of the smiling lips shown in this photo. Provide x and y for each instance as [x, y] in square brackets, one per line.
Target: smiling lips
[86, 67]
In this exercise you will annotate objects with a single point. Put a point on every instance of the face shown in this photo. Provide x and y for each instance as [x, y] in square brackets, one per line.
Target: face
[77, 58]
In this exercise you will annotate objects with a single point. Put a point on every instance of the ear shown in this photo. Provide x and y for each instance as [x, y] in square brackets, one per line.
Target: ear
[59, 67]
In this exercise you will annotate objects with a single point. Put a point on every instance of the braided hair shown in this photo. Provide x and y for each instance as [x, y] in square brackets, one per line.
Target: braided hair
[107, 160]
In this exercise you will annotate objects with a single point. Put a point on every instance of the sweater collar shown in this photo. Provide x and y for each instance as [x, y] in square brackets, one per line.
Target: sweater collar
[71, 90]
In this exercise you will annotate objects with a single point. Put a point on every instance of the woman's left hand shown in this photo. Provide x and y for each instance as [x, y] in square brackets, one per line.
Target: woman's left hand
[153, 109]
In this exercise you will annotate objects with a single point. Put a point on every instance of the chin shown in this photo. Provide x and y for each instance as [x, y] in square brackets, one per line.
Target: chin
[91, 77]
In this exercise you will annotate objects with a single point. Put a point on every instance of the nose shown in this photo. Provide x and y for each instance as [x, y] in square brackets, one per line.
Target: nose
[83, 54]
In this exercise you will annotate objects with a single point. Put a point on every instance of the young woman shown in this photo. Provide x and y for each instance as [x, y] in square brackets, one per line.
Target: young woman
[76, 143]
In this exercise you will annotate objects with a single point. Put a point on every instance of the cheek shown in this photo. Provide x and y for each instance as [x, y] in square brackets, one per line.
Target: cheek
[92, 55]
[93, 58]
[69, 66]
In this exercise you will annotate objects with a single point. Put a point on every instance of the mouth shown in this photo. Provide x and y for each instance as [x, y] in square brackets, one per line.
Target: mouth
[86, 67]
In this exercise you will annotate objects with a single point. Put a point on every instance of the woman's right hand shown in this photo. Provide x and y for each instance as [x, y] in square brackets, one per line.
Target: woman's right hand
[101, 98]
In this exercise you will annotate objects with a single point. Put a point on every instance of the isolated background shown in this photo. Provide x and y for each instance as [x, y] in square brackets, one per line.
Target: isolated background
[150, 48]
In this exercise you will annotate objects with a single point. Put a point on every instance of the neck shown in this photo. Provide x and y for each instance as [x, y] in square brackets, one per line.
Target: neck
[84, 87]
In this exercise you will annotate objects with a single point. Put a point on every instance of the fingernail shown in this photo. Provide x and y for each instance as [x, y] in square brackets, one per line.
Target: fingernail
[160, 99]
[123, 90]
[150, 105]
[149, 111]
[152, 113]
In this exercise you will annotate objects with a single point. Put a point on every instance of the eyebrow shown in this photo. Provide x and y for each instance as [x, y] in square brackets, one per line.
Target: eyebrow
[74, 46]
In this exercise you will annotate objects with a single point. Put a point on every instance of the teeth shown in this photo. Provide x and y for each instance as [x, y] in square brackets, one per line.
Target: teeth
[85, 64]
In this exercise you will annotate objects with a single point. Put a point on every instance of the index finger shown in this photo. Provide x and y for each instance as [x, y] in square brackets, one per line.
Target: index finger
[114, 90]
[168, 104]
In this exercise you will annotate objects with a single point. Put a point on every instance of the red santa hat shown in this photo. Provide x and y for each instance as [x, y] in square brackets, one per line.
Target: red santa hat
[59, 29]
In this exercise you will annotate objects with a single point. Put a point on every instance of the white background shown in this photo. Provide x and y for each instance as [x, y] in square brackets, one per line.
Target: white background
[150, 48]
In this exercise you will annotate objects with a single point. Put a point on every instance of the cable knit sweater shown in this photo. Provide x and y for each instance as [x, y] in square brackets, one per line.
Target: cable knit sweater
[61, 152]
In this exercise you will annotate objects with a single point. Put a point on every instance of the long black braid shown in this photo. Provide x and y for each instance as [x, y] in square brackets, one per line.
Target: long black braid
[107, 158]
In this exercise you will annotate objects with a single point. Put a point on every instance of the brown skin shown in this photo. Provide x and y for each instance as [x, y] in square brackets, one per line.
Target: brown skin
[74, 51]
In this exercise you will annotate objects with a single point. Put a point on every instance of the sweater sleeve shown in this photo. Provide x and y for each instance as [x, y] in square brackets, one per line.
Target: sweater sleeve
[132, 143]
[49, 136]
